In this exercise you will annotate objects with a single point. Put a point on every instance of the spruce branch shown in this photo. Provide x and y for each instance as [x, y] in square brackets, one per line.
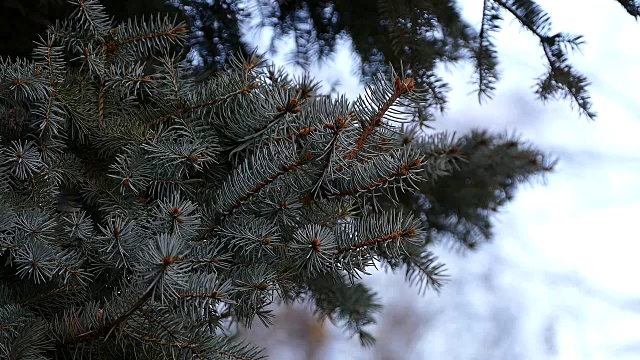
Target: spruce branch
[372, 242]
[107, 330]
[383, 172]
[238, 189]
[101, 104]
[146, 35]
[485, 55]
[21, 80]
[561, 76]
[353, 304]
[424, 270]
[22, 160]
[90, 15]
[193, 347]
[50, 59]
[328, 154]
[312, 248]
[385, 231]
[207, 290]
[402, 87]
[185, 110]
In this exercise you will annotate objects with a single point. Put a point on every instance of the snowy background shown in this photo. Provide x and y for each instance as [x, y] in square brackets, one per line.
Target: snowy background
[560, 279]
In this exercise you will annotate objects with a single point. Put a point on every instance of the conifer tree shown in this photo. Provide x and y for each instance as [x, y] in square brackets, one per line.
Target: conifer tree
[420, 33]
[143, 213]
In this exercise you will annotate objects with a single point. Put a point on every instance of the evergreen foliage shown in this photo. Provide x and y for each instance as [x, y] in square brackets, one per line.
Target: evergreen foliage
[23, 22]
[422, 33]
[142, 212]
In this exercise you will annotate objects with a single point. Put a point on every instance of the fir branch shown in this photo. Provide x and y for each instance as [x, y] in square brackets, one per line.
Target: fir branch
[219, 100]
[227, 349]
[236, 191]
[67, 271]
[51, 58]
[177, 341]
[380, 172]
[185, 110]
[291, 106]
[107, 330]
[21, 80]
[193, 347]
[90, 14]
[486, 56]
[170, 33]
[143, 36]
[169, 65]
[342, 300]
[241, 77]
[561, 75]
[101, 104]
[215, 295]
[306, 131]
[366, 243]
[401, 87]
[328, 155]
[383, 181]
[424, 270]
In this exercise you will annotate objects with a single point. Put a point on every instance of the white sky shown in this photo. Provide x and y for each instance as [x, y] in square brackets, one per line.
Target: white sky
[565, 255]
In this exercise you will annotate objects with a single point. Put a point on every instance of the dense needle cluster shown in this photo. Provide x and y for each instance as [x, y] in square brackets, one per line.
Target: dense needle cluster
[142, 212]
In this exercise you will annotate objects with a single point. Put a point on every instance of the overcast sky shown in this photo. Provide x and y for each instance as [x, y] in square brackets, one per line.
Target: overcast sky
[560, 280]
